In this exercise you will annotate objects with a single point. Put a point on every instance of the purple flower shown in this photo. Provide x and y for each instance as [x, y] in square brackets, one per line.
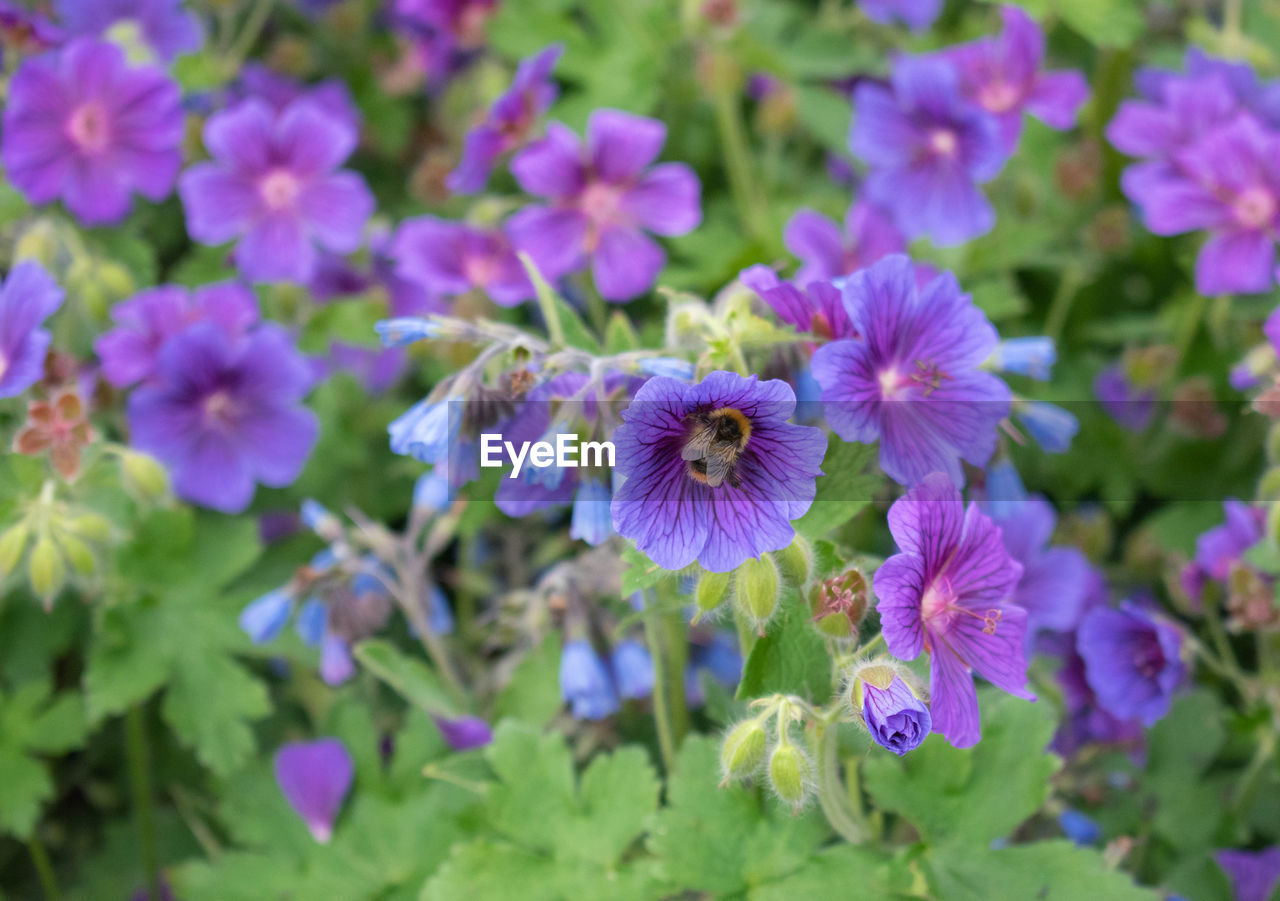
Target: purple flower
[817, 309]
[948, 593]
[274, 183]
[508, 121]
[147, 320]
[1086, 722]
[264, 619]
[894, 716]
[714, 472]
[912, 379]
[26, 31]
[927, 148]
[278, 91]
[1054, 579]
[1080, 828]
[603, 199]
[585, 683]
[314, 777]
[223, 414]
[826, 253]
[167, 28]
[633, 669]
[448, 258]
[82, 125]
[915, 14]
[1130, 406]
[1132, 661]
[1221, 548]
[1002, 75]
[1253, 874]
[461, 22]
[29, 296]
[464, 733]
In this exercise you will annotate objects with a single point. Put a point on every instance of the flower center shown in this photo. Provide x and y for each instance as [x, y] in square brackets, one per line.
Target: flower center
[892, 382]
[1254, 208]
[999, 96]
[715, 442]
[279, 189]
[89, 127]
[219, 409]
[600, 203]
[480, 270]
[943, 142]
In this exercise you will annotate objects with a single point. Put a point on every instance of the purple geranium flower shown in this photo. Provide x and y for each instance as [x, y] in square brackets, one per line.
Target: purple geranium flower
[817, 308]
[508, 121]
[895, 717]
[315, 777]
[448, 258]
[915, 14]
[167, 28]
[912, 380]
[1253, 874]
[928, 148]
[602, 201]
[1130, 406]
[682, 501]
[278, 91]
[274, 184]
[464, 733]
[223, 413]
[948, 593]
[147, 320]
[29, 297]
[81, 124]
[826, 253]
[1133, 661]
[1054, 579]
[1002, 75]
[1221, 548]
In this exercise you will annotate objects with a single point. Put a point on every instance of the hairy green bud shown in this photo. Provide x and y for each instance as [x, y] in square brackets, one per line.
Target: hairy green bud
[743, 750]
[756, 589]
[711, 590]
[12, 543]
[91, 526]
[78, 554]
[144, 476]
[789, 774]
[796, 561]
[46, 569]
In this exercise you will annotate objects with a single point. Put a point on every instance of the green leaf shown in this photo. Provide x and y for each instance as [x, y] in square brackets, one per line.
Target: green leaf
[410, 678]
[791, 657]
[1049, 871]
[563, 322]
[975, 795]
[1186, 805]
[641, 572]
[619, 335]
[25, 787]
[533, 694]
[844, 865]
[209, 704]
[846, 487]
[30, 724]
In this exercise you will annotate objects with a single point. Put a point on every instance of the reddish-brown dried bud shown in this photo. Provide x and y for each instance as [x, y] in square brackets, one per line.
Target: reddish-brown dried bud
[59, 426]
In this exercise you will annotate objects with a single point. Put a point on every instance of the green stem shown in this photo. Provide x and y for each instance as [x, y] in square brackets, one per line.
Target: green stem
[836, 804]
[135, 737]
[253, 25]
[733, 139]
[661, 706]
[1252, 778]
[597, 309]
[1063, 299]
[677, 649]
[44, 869]
[1191, 325]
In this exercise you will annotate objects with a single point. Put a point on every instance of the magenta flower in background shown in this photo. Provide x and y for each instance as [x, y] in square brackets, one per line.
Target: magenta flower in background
[826, 253]
[25, 31]
[448, 258]
[602, 201]
[1253, 874]
[274, 184]
[1054, 579]
[29, 297]
[676, 507]
[147, 320]
[164, 25]
[1002, 75]
[928, 149]
[1133, 661]
[464, 733]
[314, 777]
[278, 91]
[224, 413]
[84, 126]
[917, 15]
[1130, 406]
[459, 23]
[1221, 548]
[911, 380]
[818, 309]
[507, 122]
[947, 593]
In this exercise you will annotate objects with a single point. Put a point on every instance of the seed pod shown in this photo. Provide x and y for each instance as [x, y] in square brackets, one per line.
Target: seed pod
[756, 589]
[12, 543]
[712, 587]
[789, 774]
[743, 750]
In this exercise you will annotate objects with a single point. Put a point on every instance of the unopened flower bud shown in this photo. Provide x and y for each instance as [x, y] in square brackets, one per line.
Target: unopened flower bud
[756, 589]
[78, 554]
[743, 750]
[796, 561]
[789, 774]
[712, 587]
[839, 603]
[91, 526]
[12, 543]
[46, 570]
[144, 476]
[883, 701]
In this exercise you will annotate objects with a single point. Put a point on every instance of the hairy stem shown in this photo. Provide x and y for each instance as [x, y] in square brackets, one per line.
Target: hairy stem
[837, 806]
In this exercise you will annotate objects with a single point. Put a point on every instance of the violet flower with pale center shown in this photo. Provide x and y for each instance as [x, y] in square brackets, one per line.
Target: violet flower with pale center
[165, 27]
[274, 183]
[448, 258]
[603, 198]
[1133, 661]
[507, 122]
[314, 777]
[928, 149]
[948, 592]
[911, 380]
[82, 125]
[714, 472]
[28, 297]
[224, 413]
